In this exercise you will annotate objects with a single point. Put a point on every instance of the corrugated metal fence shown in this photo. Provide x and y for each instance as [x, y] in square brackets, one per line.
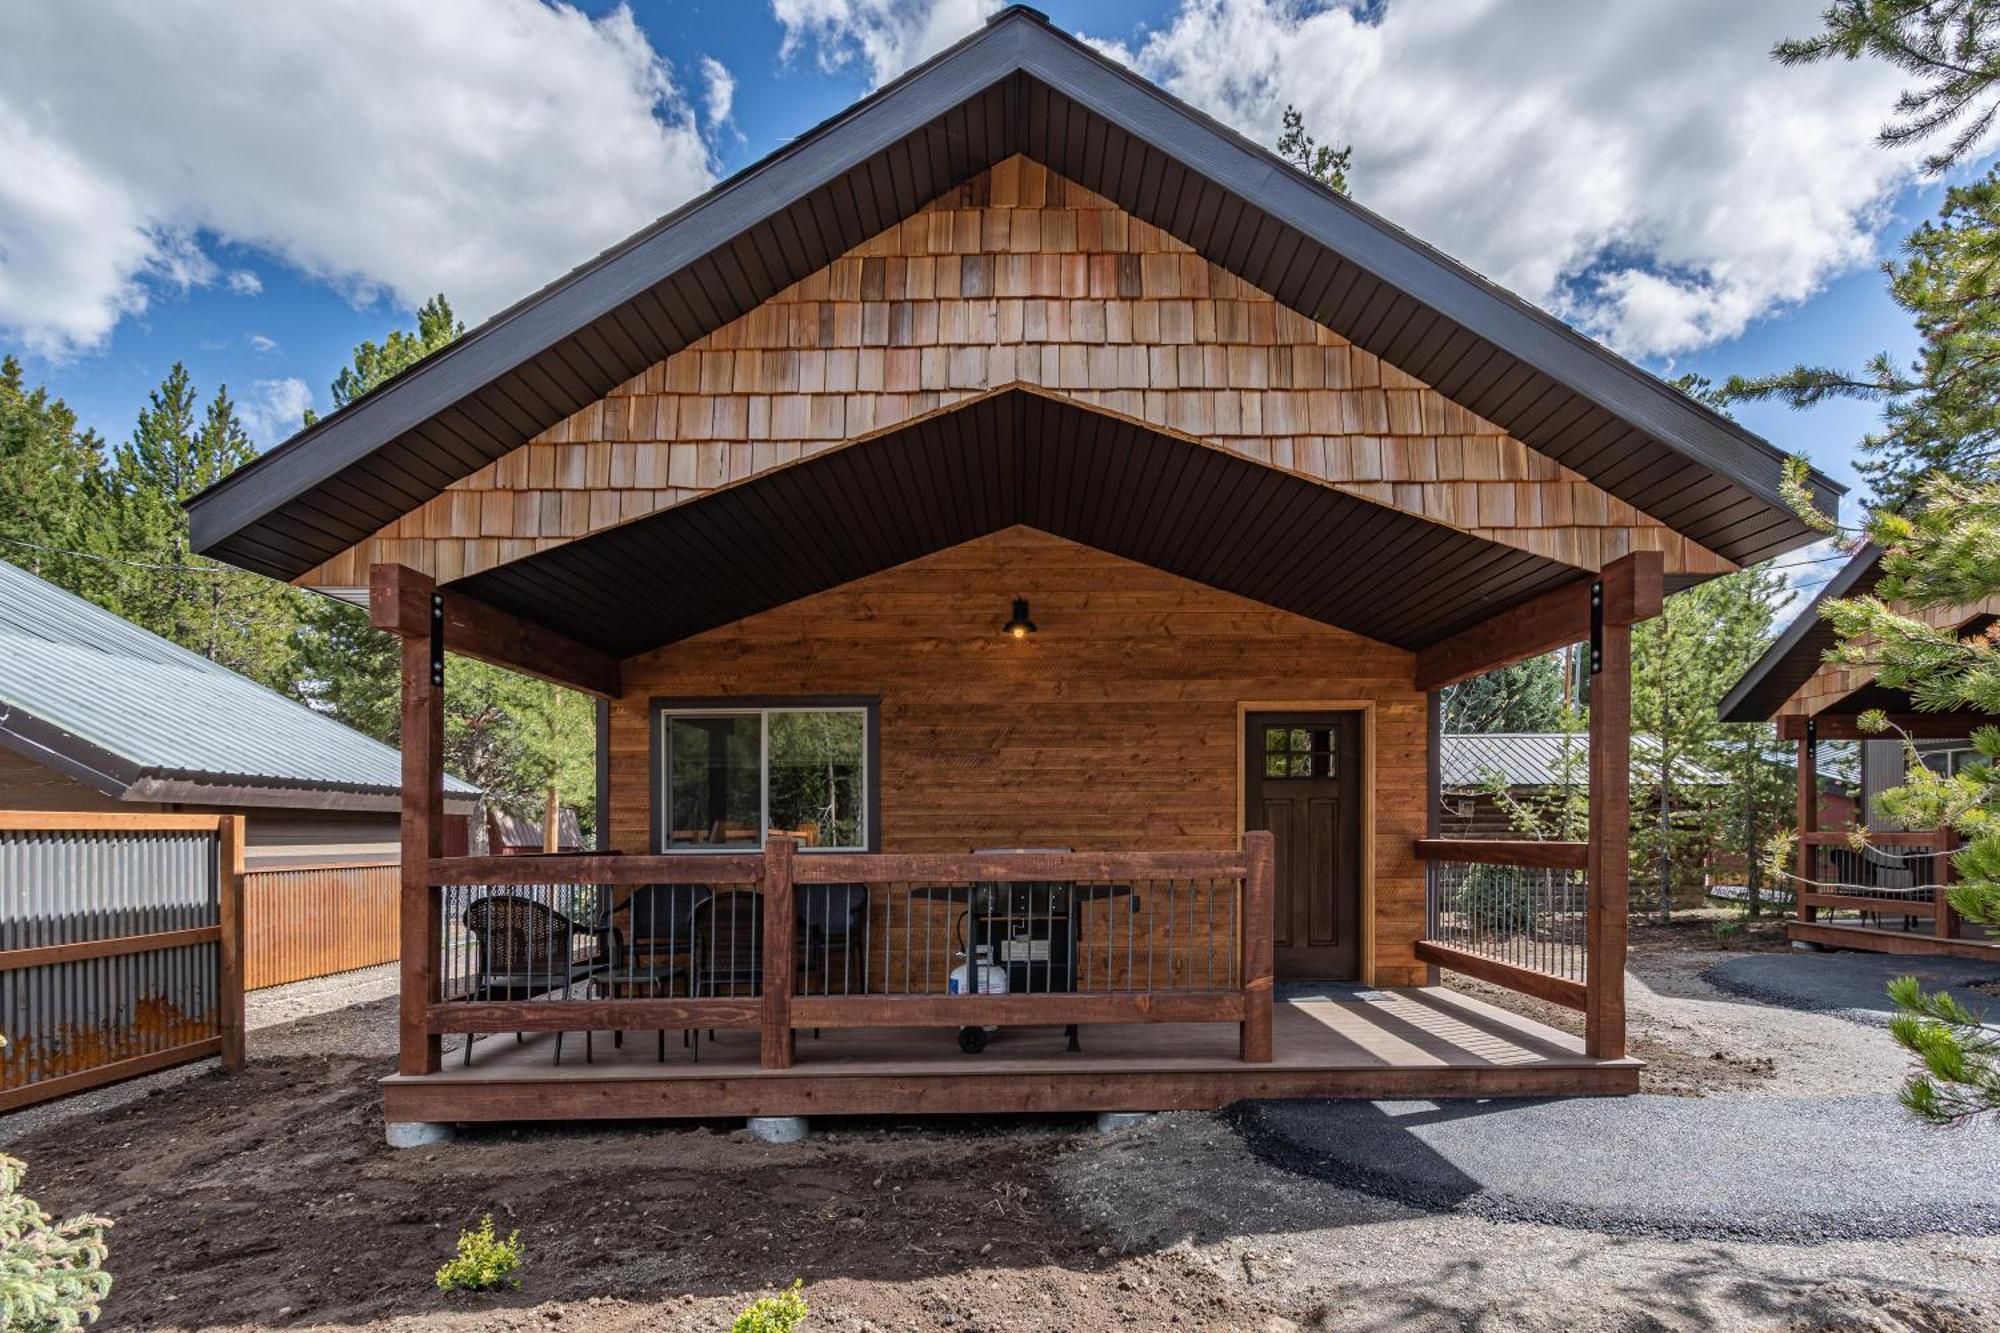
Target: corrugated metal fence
[120, 947]
[313, 921]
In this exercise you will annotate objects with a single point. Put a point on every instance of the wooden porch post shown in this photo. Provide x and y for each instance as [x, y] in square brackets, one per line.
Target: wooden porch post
[780, 959]
[229, 849]
[401, 600]
[1259, 925]
[1608, 866]
[1945, 923]
[1808, 819]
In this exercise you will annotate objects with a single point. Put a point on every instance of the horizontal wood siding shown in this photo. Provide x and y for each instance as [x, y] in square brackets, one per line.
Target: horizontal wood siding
[1018, 276]
[1116, 727]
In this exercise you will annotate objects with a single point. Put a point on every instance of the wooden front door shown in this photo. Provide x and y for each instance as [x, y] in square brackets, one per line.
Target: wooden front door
[1302, 774]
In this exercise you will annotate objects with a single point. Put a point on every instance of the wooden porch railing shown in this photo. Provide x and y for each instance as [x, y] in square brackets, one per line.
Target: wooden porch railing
[1899, 874]
[1513, 913]
[1216, 938]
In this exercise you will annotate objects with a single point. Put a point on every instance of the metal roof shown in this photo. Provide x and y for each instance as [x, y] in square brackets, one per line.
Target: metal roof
[1537, 759]
[131, 714]
[1019, 457]
[1017, 86]
[1796, 654]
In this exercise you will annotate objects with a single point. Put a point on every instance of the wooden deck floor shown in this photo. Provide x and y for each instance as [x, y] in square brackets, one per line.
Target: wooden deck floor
[1347, 1043]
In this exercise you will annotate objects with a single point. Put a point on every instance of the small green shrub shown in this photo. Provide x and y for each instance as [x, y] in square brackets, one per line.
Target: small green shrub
[484, 1261]
[51, 1273]
[1727, 929]
[774, 1314]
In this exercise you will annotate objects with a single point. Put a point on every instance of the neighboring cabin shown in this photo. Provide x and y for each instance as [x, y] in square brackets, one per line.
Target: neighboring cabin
[97, 714]
[1533, 766]
[1884, 898]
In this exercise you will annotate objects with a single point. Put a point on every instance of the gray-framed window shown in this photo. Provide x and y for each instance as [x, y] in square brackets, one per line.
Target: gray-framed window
[728, 775]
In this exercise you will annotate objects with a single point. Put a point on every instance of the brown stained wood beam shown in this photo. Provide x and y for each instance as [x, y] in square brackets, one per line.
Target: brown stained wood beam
[45, 955]
[952, 1011]
[399, 601]
[420, 909]
[743, 870]
[1506, 852]
[63, 1085]
[1808, 824]
[1258, 970]
[1539, 985]
[1918, 726]
[229, 939]
[1634, 588]
[592, 1015]
[1608, 868]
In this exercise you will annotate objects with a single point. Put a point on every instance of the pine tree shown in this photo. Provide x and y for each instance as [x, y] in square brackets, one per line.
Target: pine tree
[1683, 662]
[514, 738]
[241, 620]
[375, 365]
[1323, 162]
[1950, 47]
[1527, 696]
[51, 491]
[1942, 412]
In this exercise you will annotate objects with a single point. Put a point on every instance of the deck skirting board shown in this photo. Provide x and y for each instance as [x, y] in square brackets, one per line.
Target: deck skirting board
[629, 1098]
[1872, 940]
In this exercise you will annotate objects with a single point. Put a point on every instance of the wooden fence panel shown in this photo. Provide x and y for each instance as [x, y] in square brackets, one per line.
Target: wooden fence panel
[317, 920]
[119, 948]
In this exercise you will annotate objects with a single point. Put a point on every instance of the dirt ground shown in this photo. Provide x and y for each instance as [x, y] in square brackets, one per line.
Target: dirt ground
[268, 1201]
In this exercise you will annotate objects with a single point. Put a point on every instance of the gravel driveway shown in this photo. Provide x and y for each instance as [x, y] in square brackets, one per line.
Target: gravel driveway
[1765, 1168]
[1853, 985]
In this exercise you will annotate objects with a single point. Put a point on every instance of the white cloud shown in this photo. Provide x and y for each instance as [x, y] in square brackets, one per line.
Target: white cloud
[1646, 171]
[275, 409]
[888, 35]
[721, 96]
[383, 146]
[262, 343]
[245, 282]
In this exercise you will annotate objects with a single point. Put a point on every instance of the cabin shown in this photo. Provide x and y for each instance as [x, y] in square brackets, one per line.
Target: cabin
[1887, 897]
[100, 716]
[1016, 533]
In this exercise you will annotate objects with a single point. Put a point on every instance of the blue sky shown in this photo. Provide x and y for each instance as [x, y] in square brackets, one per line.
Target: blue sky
[1657, 225]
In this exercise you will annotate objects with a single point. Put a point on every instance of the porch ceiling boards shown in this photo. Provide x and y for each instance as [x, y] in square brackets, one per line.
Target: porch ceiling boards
[1018, 457]
[1019, 85]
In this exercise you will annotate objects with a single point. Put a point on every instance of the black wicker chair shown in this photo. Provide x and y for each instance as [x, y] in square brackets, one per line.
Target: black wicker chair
[527, 949]
[651, 953]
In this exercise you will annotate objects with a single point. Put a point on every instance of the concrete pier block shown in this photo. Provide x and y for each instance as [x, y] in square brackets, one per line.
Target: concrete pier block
[417, 1134]
[1110, 1122]
[778, 1128]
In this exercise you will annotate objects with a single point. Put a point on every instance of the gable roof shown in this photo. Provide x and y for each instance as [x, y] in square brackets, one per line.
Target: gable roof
[98, 699]
[1797, 653]
[1018, 85]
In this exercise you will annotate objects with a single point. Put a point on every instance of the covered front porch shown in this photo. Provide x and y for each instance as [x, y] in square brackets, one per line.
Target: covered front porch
[1064, 869]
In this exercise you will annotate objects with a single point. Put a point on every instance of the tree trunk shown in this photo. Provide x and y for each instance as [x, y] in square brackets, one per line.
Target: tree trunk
[552, 823]
[1750, 867]
[1666, 835]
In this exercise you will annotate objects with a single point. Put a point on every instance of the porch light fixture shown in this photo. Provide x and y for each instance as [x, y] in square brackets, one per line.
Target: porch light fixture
[1020, 626]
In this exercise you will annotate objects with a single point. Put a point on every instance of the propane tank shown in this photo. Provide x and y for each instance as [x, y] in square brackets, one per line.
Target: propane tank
[992, 979]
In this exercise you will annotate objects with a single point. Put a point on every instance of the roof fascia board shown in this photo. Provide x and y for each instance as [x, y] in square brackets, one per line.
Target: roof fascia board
[1736, 706]
[67, 754]
[574, 302]
[1404, 262]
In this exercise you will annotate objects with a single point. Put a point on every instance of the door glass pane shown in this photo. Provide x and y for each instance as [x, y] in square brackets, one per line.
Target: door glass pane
[714, 788]
[817, 781]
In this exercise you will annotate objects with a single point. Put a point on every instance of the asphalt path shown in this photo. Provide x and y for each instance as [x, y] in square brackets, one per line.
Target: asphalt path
[1788, 1169]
